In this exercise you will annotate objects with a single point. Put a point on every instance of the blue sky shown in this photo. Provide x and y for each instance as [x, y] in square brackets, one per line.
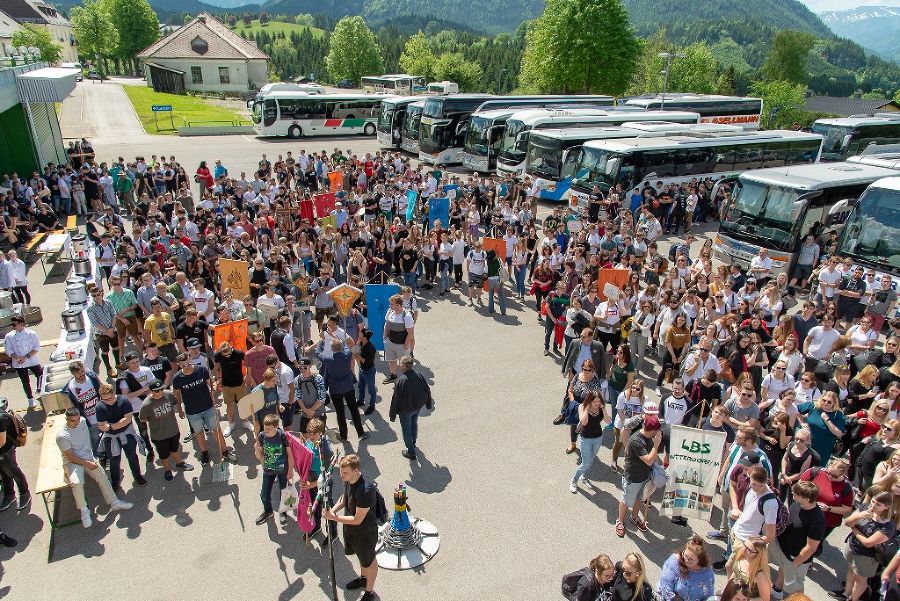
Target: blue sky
[824, 5]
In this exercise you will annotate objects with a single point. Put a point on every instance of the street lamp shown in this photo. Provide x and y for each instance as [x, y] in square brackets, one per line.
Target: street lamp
[669, 56]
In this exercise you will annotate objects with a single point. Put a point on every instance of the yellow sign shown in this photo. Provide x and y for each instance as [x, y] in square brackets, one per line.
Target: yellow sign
[235, 275]
[344, 296]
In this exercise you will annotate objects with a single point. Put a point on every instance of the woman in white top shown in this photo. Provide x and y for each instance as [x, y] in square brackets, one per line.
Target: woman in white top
[862, 336]
[773, 384]
[892, 395]
[770, 304]
[791, 356]
[641, 333]
[629, 404]
[807, 389]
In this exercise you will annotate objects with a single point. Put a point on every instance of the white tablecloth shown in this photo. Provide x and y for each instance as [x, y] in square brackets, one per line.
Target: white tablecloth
[55, 243]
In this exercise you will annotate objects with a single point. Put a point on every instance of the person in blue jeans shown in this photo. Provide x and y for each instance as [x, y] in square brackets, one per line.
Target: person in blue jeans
[495, 282]
[277, 463]
[411, 394]
[591, 420]
[365, 357]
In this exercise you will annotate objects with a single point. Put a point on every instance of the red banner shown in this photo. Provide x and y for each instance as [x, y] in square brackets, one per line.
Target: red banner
[324, 204]
[306, 210]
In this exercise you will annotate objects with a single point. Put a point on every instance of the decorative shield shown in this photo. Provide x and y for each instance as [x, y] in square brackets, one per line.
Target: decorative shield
[344, 296]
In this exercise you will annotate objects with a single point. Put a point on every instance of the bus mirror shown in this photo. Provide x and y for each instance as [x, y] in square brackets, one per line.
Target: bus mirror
[839, 207]
[612, 166]
[461, 128]
[720, 183]
[846, 141]
[799, 208]
[520, 137]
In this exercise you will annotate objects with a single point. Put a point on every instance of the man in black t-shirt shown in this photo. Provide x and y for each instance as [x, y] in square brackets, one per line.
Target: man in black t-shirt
[409, 263]
[643, 451]
[191, 327]
[360, 526]
[228, 367]
[159, 365]
[366, 360]
[193, 389]
[794, 549]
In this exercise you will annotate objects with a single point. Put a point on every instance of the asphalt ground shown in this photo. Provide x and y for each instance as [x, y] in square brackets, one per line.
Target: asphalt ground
[491, 473]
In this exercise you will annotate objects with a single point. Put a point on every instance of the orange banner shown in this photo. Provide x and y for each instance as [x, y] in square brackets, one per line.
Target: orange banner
[233, 332]
[616, 277]
[498, 245]
[336, 181]
[235, 275]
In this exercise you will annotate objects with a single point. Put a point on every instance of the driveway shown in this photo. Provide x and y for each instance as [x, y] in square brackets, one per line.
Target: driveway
[100, 111]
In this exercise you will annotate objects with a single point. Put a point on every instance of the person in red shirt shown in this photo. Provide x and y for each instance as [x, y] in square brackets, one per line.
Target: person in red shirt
[204, 177]
[835, 492]
[255, 359]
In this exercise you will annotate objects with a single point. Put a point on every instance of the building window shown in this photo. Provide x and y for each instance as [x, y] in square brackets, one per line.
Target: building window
[223, 75]
[196, 75]
[199, 45]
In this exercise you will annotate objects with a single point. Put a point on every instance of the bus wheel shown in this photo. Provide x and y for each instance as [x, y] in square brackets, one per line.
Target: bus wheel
[295, 131]
[369, 129]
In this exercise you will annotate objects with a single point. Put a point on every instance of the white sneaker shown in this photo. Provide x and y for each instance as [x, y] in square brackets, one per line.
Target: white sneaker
[585, 482]
[86, 520]
[226, 429]
[248, 425]
[573, 488]
[31, 403]
[119, 504]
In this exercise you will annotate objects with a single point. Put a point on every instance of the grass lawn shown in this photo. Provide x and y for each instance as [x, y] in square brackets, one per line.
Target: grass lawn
[184, 109]
[273, 27]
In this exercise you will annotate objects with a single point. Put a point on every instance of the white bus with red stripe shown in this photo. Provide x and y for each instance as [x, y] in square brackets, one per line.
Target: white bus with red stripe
[295, 114]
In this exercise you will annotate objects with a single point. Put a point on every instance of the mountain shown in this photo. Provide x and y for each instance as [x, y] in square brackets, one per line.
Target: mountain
[876, 28]
[647, 15]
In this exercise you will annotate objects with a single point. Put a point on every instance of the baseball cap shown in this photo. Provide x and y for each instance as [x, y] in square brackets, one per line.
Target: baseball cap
[155, 385]
[749, 459]
[304, 362]
[131, 355]
[193, 343]
[651, 408]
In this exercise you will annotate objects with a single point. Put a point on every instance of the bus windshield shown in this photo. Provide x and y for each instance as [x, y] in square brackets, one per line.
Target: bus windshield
[872, 233]
[509, 150]
[386, 117]
[544, 158]
[411, 122]
[763, 212]
[257, 111]
[434, 107]
[833, 144]
[593, 169]
[476, 141]
[434, 136]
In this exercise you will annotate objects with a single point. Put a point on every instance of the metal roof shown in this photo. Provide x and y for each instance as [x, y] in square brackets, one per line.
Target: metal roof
[50, 84]
[888, 183]
[695, 139]
[818, 175]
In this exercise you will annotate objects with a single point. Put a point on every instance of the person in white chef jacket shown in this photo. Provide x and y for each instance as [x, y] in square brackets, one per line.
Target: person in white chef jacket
[22, 346]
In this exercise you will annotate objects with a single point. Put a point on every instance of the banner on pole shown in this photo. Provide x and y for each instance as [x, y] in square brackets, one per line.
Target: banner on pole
[498, 245]
[324, 204]
[378, 301]
[235, 275]
[616, 277]
[233, 332]
[336, 181]
[694, 461]
[411, 196]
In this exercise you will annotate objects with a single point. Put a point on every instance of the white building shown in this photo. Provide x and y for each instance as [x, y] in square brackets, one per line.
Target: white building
[44, 15]
[204, 55]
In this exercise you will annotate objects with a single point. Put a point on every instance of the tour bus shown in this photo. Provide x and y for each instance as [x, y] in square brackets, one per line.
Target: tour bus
[296, 114]
[776, 208]
[445, 118]
[552, 153]
[284, 86]
[853, 135]
[442, 87]
[871, 235]
[390, 120]
[514, 143]
[409, 133]
[696, 155]
[399, 83]
[727, 110]
[888, 160]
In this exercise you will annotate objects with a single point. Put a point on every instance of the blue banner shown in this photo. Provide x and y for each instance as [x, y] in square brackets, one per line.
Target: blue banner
[451, 188]
[411, 196]
[438, 210]
[378, 301]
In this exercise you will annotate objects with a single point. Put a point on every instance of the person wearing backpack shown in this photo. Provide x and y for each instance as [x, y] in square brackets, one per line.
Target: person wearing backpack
[360, 505]
[870, 526]
[760, 511]
[590, 583]
[277, 464]
[795, 548]
[11, 429]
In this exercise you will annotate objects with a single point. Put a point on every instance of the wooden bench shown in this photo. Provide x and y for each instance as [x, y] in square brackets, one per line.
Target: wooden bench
[51, 478]
[71, 223]
[29, 249]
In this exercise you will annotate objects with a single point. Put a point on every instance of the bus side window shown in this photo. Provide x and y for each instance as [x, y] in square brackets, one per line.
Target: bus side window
[270, 112]
[724, 161]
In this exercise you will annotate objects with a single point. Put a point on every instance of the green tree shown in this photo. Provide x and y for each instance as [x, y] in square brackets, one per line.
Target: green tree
[263, 18]
[247, 18]
[453, 66]
[695, 71]
[647, 78]
[783, 103]
[417, 58]
[305, 19]
[727, 82]
[39, 38]
[583, 46]
[137, 26]
[354, 51]
[788, 57]
[97, 37]
[232, 20]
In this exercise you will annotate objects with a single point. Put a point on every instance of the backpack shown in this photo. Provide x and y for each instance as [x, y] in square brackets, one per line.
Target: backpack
[380, 508]
[570, 581]
[19, 427]
[885, 552]
[784, 515]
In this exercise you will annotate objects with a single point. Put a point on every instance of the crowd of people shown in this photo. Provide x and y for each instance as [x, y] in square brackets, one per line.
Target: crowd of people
[809, 399]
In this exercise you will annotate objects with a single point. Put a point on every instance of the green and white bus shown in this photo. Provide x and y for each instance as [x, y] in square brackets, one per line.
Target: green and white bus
[850, 136]
[514, 140]
[390, 120]
[695, 155]
[295, 114]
